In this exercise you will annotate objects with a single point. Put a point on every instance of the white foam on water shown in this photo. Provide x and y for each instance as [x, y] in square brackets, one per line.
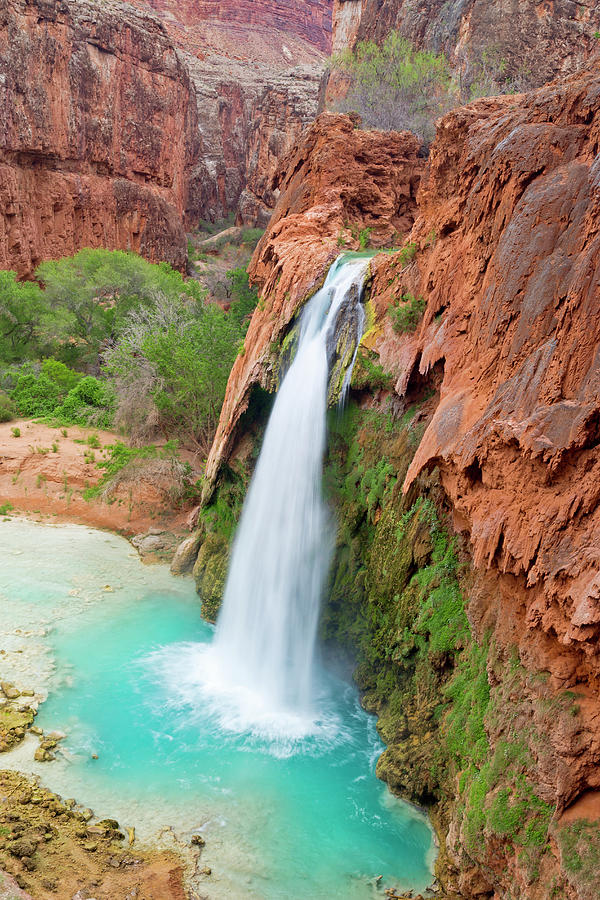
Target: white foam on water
[194, 679]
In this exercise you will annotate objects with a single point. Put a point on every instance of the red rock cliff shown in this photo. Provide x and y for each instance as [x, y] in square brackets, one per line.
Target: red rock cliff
[508, 260]
[511, 196]
[256, 67]
[309, 20]
[98, 133]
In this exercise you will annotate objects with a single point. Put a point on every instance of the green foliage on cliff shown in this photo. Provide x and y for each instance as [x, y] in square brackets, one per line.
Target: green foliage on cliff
[406, 313]
[369, 374]
[394, 86]
[396, 602]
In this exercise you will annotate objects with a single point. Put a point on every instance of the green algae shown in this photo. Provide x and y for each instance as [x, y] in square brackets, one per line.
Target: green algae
[210, 573]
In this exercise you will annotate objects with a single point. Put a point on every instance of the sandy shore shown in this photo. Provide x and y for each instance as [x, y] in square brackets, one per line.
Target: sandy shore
[44, 472]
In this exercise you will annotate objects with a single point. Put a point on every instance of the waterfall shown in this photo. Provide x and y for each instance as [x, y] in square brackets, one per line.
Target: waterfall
[266, 633]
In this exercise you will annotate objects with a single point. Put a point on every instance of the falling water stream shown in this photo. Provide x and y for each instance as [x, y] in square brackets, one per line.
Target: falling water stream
[265, 640]
[240, 734]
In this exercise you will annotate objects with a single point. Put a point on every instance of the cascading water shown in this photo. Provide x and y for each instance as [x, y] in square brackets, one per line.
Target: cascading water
[265, 638]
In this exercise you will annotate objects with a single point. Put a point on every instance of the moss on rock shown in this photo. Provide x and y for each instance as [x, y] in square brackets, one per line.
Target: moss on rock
[396, 602]
[210, 572]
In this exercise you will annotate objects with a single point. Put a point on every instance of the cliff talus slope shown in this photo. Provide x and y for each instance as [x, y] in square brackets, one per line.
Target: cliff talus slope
[99, 133]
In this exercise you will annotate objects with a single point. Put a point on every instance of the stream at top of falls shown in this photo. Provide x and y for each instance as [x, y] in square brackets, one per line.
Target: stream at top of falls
[243, 736]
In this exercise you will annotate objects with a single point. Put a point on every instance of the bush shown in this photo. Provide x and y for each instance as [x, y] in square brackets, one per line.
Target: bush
[170, 371]
[90, 402]
[58, 393]
[160, 467]
[36, 395]
[7, 410]
[407, 313]
[244, 298]
[395, 87]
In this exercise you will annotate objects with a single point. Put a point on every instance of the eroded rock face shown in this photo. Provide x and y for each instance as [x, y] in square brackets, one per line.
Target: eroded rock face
[338, 177]
[257, 68]
[98, 133]
[122, 127]
[509, 263]
[308, 20]
[250, 114]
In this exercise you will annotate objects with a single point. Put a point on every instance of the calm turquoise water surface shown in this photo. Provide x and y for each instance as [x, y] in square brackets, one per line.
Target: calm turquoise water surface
[302, 818]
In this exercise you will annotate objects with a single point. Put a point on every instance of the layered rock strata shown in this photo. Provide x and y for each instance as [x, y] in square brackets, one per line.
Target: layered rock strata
[257, 70]
[202, 20]
[99, 133]
[122, 129]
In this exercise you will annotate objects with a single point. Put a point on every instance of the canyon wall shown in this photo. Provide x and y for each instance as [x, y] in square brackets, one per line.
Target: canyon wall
[499, 384]
[196, 22]
[257, 68]
[122, 127]
[99, 133]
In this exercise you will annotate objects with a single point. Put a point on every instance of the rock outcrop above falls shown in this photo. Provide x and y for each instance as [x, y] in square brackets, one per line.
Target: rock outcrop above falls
[99, 133]
[338, 182]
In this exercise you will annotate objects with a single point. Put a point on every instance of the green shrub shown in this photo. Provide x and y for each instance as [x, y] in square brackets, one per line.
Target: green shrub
[5, 509]
[251, 236]
[7, 409]
[407, 254]
[407, 313]
[16, 432]
[362, 235]
[90, 293]
[395, 87]
[244, 298]
[36, 395]
[90, 402]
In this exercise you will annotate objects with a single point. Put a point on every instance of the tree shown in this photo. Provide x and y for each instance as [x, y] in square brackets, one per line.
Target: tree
[395, 87]
[94, 290]
[24, 315]
[170, 367]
